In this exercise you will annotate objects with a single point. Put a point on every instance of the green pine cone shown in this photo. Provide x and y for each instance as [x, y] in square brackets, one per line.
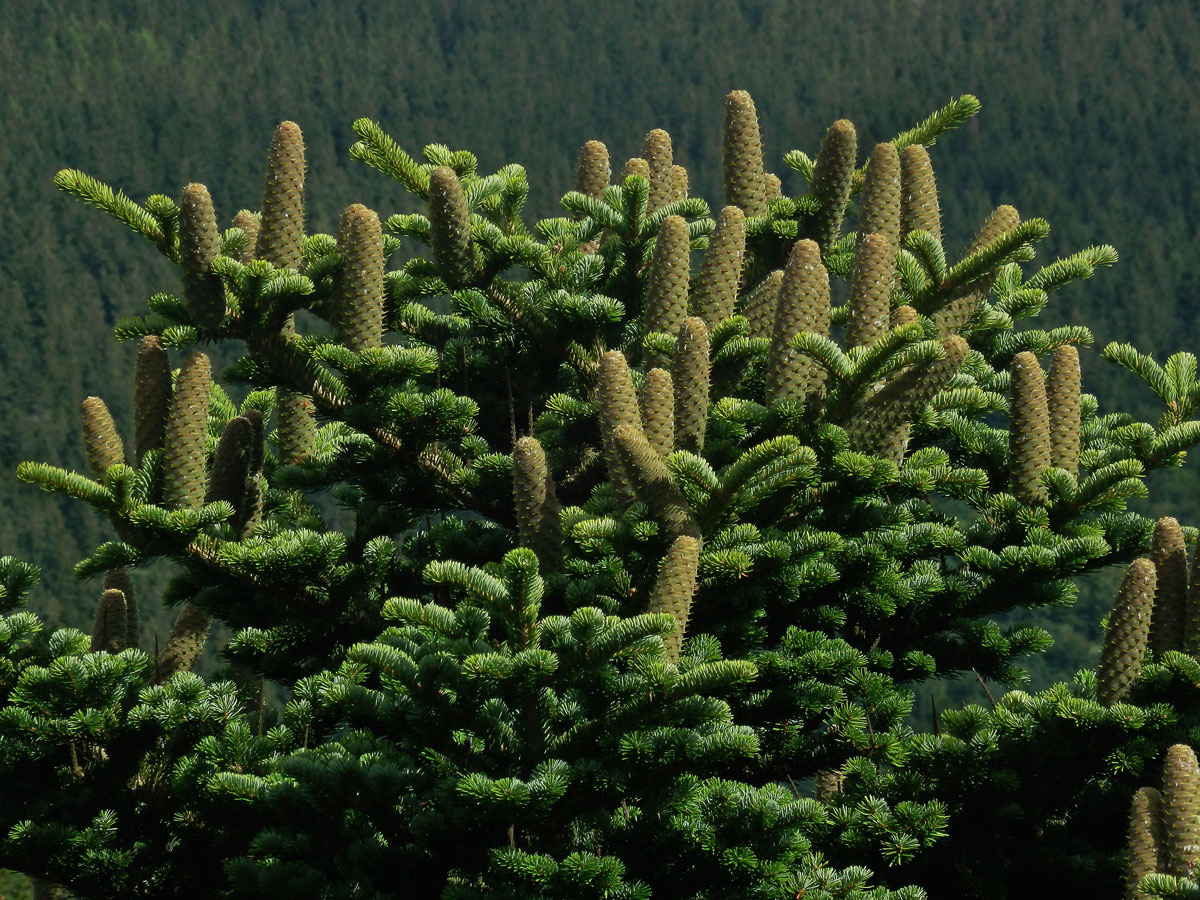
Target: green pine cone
[635, 166]
[904, 315]
[1128, 630]
[295, 426]
[183, 442]
[1191, 612]
[919, 209]
[536, 504]
[657, 404]
[1181, 810]
[803, 306]
[760, 304]
[870, 291]
[679, 183]
[721, 271]
[185, 644]
[670, 269]
[101, 442]
[879, 212]
[1029, 434]
[1002, 220]
[231, 468]
[109, 627]
[833, 172]
[674, 588]
[827, 785]
[954, 315]
[1146, 839]
[616, 406]
[120, 580]
[248, 222]
[690, 374]
[594, 171]
[1169, 555]
[774, 186]
[1062, 399]
[450, 226]
[653, 483]
[359, 284]
[657, 152]
[281, 231]
[745, 181]
[199, 245]
[151, 395]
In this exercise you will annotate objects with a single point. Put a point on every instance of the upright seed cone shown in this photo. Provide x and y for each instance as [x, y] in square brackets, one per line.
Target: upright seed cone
[450, 226]
[536, 504]
[151, 395]
[670, 268]
[653, 483]
[1181, 810]
[1062, 399]
[231, 468]
[185, 644]
[773, 185]
[183, 442]
[1146, 839]
[1169, 555]
[658, 411]
[679, 183]
[833, 171]
[248, 222]
[616, 406]
[656, 150]
[594, 171]
[1002, 220]
[745, 181]
[108, 629]
[281, 232]
[717, 285]
[827, 785]
[879, 212]
[252, 505]
[1029, 435]
[870, 291]
[690, 375]
[635, 166]
[803, 306]
[674, 589]
[120, 580]
[199, 245]
[761, 303]
[954, 314]
[295, 426]
[101, 442]
[359, 285]
[919, 209]
[904, 315]
[1128, 630]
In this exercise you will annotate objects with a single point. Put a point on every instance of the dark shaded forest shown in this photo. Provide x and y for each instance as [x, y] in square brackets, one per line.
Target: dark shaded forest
[1090, 120]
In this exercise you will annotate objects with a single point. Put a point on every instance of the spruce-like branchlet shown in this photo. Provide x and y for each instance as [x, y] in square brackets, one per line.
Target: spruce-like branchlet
[717, 285]
[690, 373]
[537, 506]
[281, 231]
[183, 442]
[653, 484]
[670, 268]
[1169, 555]
[248, 222]
[761, 303]
[1147, 853]
[109, 628]
[450, 225]
[594, 171]
[101, 441]
[657, 152]
[657, 404]
[833, 171]
[1062, 399]
[870, 291]
[151, 396]
[1128, 630]
[359, 284]
[199, 245]
[1029, 430]
[919, 209]
[1181, 810]
[745, 181]
[616, 406]
[803, 305]
[120, 580]
[674, 588]
[184, 645]
[879, 211]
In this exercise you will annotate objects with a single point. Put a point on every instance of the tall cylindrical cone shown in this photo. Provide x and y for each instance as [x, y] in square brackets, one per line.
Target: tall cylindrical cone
[108, 629]
[653, 483]
[594, 171]
[721, 271]
[745, 180]
[1128, 629]
[119, 580]
[1181, 810]
[956, 310]
[199, 245]
[870, 291]
[536, 504]
[656, 150]
[616, 406]
[1002, 220]
[690, 376]
[231, 468]
[101, 442]
[295, 426]
[185, 644]
[252, 505]
[879, 212]
[151, 395]
[670, 269]
[773, 186]
[657, 406]
[674, 589]
[803, 306]
[833, 171]
[919, 209]
[1169, 555]
[1029, 434]
[248, 222]
[761, 303]
[450, 227]
[281, 232]
[679, 183]
[359, 285]
[183, 442]
[1062, 399]
[635, 166]
[1146, 838]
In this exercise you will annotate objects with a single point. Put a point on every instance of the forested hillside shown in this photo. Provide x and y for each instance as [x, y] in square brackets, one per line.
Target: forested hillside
[1090, 120]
